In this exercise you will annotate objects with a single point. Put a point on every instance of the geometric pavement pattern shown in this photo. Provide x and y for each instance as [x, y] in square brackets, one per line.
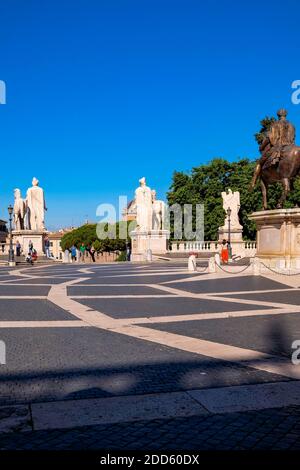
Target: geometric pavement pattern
[84, 332]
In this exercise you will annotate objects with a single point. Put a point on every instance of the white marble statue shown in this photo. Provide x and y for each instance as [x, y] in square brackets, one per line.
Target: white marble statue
[158, 212]
[232, 201]
[143, 200]
[36, 207]
[19, 210]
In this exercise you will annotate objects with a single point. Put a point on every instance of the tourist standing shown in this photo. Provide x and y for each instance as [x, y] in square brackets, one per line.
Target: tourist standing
[18, 248]
[73, 253]
[82, 252]
[47, 247]
[224, 252]
[128, 252]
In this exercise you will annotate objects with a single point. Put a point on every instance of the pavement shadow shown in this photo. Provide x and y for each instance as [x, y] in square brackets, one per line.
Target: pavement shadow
[96, 382]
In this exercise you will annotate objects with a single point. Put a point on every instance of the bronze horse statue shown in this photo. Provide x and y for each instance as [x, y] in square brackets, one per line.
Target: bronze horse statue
[284, 172]
[280, 158]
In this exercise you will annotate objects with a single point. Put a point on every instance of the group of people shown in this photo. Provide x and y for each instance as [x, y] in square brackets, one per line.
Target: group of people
[81, 253]
[32, 253]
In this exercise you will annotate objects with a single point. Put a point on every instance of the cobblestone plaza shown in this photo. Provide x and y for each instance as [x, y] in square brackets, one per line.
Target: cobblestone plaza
[148, 356]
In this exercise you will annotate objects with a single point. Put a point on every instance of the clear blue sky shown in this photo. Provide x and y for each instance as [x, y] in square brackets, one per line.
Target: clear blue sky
[102, 92]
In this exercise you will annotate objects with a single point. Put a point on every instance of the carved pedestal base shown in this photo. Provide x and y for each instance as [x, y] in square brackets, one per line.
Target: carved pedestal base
[278, 238]
[24, 237]
[236, 239]
[143, 241]
[236, 234]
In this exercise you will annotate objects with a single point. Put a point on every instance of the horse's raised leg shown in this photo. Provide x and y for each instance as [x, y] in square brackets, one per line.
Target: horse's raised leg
[264, 194]
[285, 192]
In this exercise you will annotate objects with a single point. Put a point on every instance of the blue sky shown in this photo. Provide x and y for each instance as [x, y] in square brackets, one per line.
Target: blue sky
[102, 92]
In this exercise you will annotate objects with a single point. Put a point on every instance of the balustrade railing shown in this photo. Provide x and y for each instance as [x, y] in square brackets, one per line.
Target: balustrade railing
[243, 248]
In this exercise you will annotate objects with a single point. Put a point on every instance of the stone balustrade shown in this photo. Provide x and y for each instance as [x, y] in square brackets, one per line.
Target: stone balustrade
[241, 248]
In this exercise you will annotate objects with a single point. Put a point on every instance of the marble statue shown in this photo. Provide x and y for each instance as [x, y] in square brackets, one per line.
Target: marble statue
[143, 200]
[232, 201]
[19, 210]
[36, 207]
[158, 212]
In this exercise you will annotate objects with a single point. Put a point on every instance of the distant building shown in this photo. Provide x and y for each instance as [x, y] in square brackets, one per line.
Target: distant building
[3, 230]
[129, 213]
[55, 242]
[3, 235]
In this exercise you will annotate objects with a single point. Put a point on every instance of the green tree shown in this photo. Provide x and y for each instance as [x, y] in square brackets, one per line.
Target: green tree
[206, 182]
[87, 234]
[265, 126]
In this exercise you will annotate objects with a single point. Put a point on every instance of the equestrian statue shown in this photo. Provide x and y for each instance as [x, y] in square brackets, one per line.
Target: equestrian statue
[280, 158]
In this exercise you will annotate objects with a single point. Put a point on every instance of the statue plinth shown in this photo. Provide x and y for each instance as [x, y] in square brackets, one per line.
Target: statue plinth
[278, 237]
[25, 236]
[144, 240]
[236, 239]
[236, 234]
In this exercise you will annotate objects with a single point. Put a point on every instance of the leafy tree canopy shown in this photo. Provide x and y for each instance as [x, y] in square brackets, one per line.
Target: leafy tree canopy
[87, 234]
[265, 126]
[205, 183]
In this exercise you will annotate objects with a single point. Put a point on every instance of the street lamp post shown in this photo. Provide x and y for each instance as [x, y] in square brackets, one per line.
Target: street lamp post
[229, 234]
[11, 257]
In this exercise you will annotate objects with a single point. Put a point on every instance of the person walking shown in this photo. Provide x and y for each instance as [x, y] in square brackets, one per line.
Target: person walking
[92, 253]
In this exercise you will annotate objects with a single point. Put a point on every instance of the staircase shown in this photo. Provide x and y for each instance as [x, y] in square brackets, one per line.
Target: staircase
[20, 261]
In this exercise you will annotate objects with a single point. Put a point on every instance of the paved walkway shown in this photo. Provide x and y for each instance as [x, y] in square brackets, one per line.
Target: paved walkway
[131, 350]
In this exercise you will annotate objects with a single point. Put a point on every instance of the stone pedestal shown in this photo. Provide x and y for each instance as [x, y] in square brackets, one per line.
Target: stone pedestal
[24, 237]
[278, 238]
[143, 241]
[236, 234]
[236, 239]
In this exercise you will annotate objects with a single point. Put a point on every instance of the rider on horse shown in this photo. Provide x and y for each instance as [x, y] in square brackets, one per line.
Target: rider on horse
[277, 141]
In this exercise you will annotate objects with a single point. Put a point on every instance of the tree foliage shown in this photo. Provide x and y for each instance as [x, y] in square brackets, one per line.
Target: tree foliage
[87, 234]
[265, 126]
[205, 183]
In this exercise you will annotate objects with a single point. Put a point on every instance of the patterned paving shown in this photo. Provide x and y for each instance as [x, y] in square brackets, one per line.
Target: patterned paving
[86, 332]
